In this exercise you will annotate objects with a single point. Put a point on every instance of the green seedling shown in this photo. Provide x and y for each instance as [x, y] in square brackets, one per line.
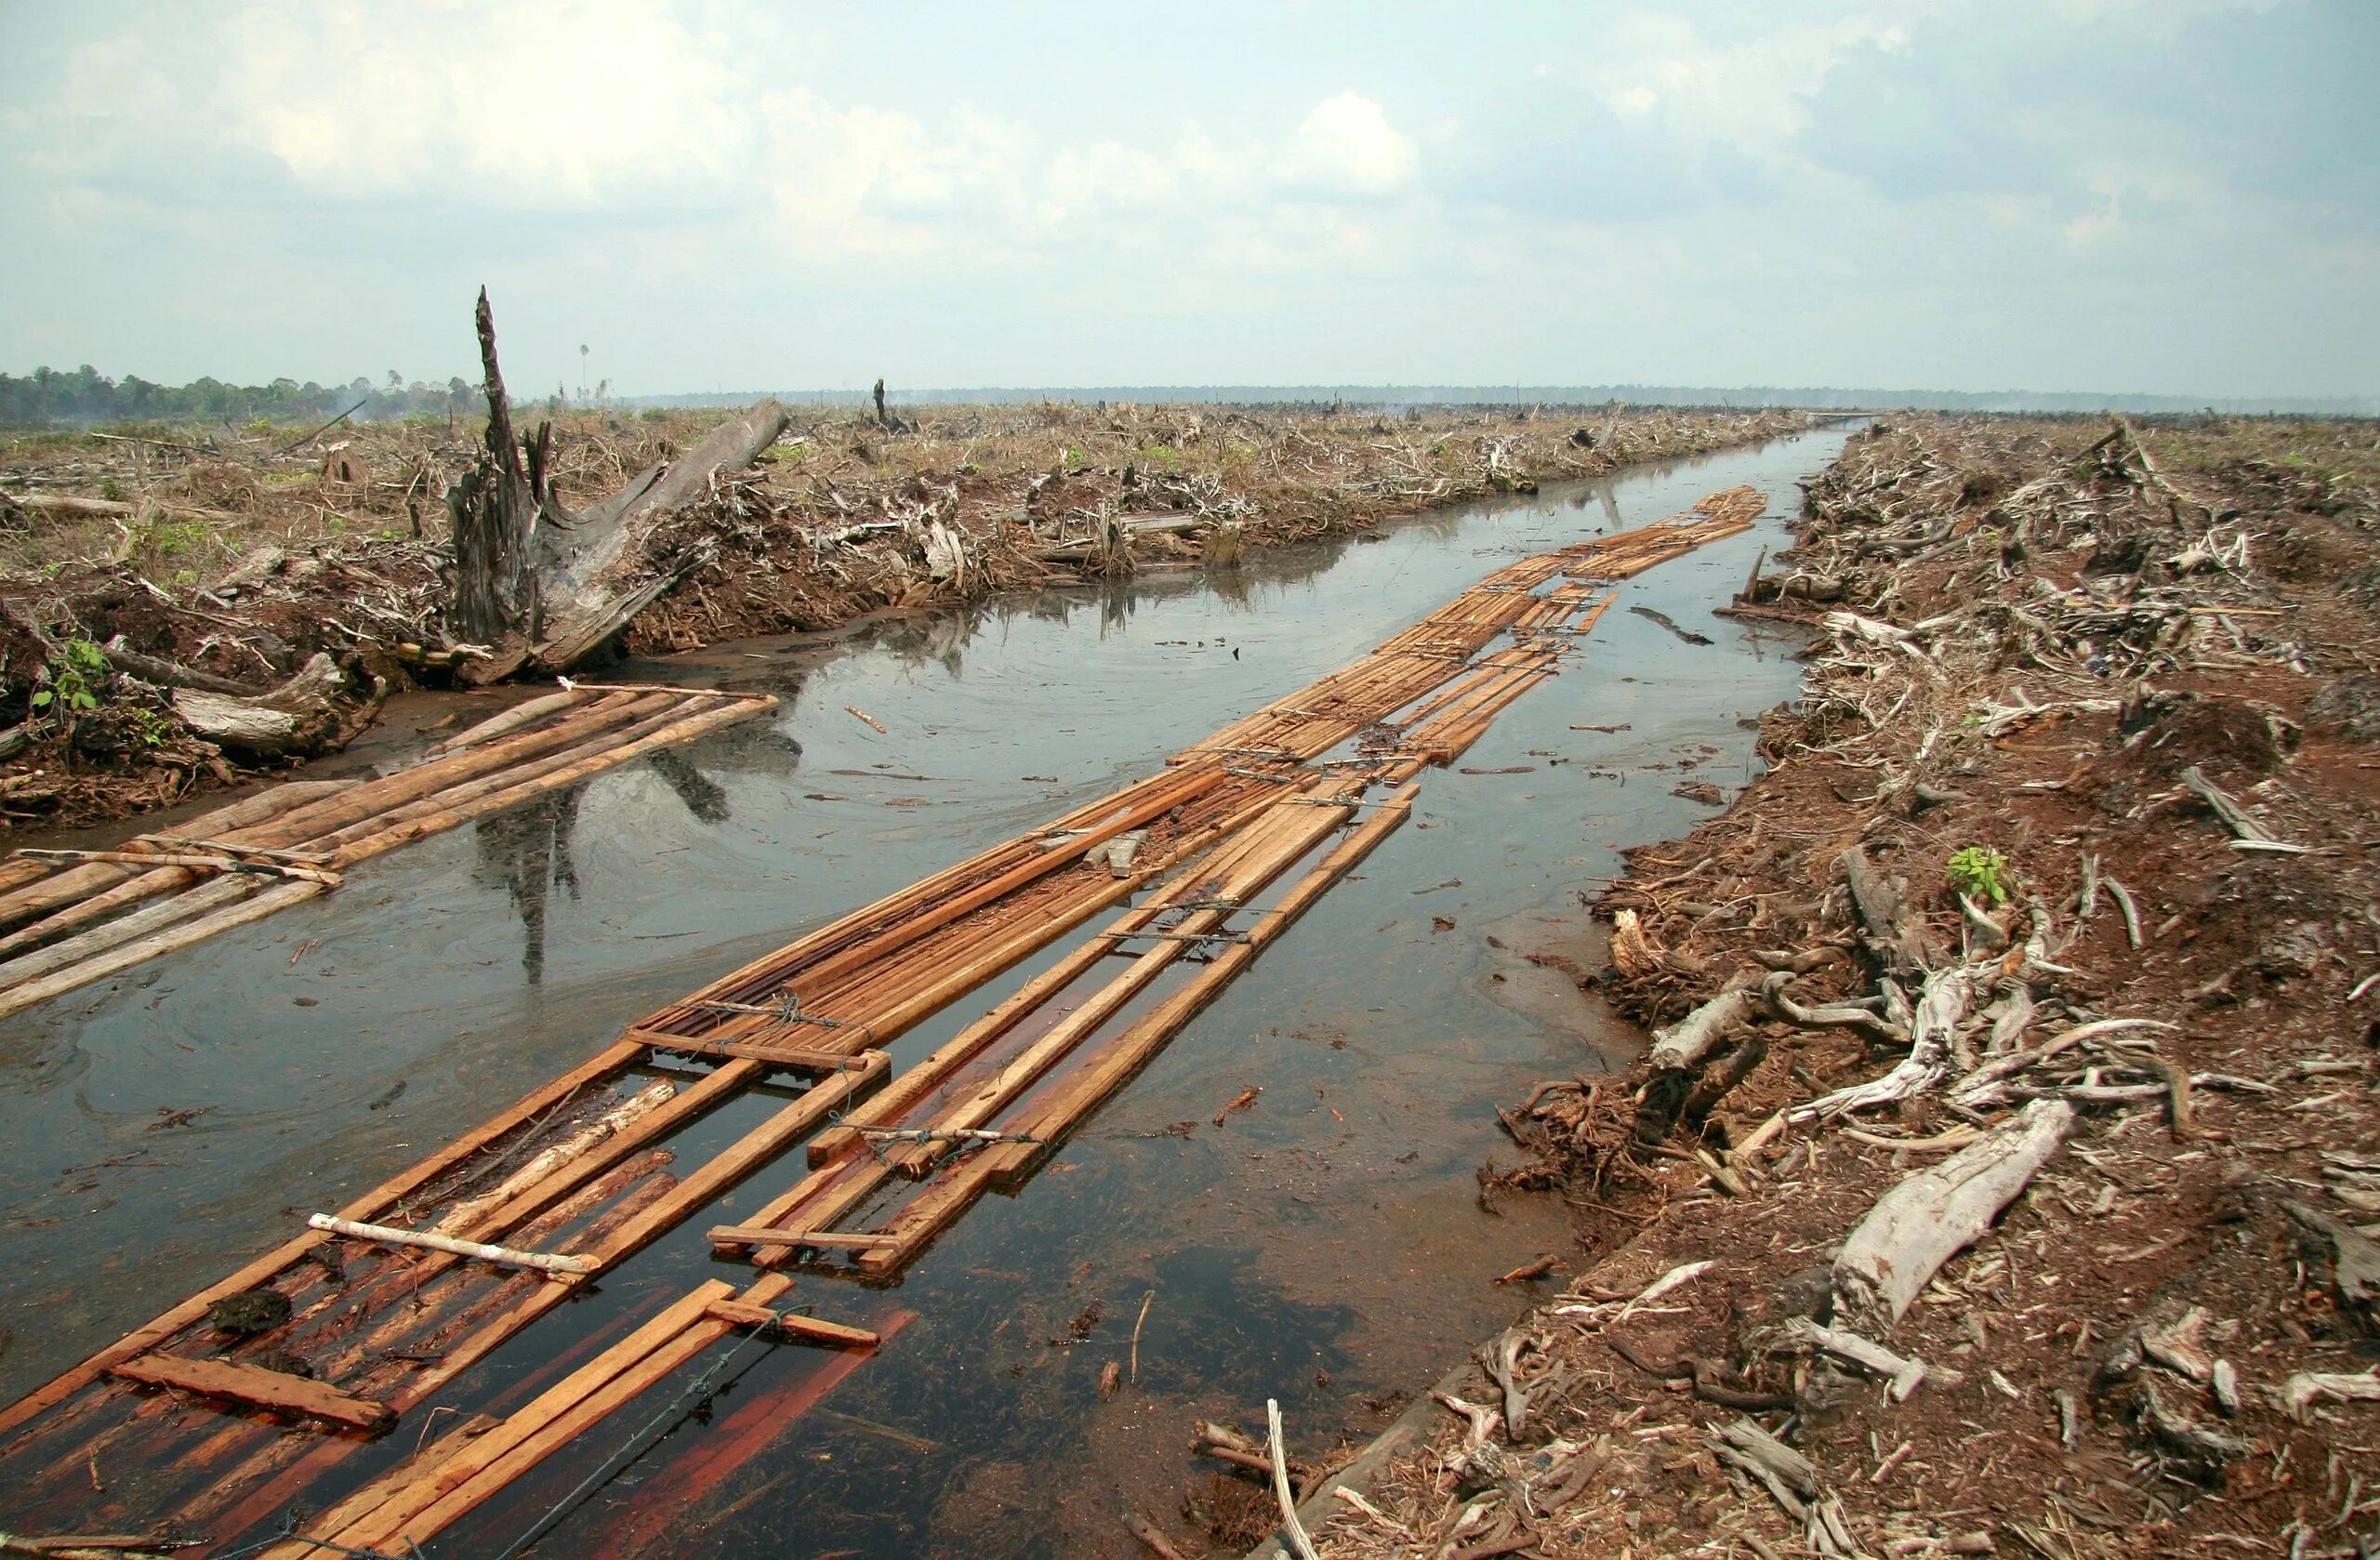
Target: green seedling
[1981, 873]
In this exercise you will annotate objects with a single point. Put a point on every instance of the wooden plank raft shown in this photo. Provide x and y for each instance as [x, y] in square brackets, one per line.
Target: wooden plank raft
[72, 917]
[583, 1166]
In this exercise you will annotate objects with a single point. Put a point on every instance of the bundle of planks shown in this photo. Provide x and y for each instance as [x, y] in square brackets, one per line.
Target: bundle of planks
[579, 1174]
[75, 916]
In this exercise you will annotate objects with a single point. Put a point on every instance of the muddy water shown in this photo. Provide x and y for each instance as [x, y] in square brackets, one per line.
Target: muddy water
[1325, 1247]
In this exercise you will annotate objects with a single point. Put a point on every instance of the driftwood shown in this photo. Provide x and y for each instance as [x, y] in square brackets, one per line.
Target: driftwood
[1932, 1215]
[298, 717]
[1300, 1544]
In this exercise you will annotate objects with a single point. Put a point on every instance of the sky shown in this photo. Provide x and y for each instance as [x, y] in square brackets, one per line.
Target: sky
[2169, 196]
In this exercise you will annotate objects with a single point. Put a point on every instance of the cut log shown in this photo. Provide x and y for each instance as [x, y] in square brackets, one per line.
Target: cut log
[1935, 1214]
[294, 718]
[265, 1389]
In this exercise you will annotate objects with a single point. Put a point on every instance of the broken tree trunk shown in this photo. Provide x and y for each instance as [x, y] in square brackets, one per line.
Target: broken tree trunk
[493, 511]
[542, 586]
[594, 573]
[1936, 1214]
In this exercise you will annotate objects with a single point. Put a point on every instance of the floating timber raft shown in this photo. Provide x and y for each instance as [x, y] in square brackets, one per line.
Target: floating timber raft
[69, 917]
[384, 1308]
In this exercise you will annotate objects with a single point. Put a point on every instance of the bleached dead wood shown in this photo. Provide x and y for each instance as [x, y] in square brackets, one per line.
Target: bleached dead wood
[1904, 1374]
[2301, 1392]
[1685, 1044]
[503, 1256]
[1280, 1460]
[593, 573]
[293, 718]
[1842, 1016]
[1982, 1087]
[1932, 1215]
[1941, 1007]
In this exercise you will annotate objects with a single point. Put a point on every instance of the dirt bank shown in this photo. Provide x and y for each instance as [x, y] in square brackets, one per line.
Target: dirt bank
[242, 555]
[2118, 686]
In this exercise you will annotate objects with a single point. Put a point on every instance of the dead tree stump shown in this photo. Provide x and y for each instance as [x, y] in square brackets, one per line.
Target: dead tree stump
[494, 511]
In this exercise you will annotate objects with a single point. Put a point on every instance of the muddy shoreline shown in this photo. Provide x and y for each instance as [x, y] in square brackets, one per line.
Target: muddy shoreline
[2125, 682]
[239, 559]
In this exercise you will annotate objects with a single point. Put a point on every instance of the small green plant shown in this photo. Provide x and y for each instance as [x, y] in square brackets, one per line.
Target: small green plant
[110, 489]
[1163, 455]
[150, 729]
[1980, 872]
[73, 679]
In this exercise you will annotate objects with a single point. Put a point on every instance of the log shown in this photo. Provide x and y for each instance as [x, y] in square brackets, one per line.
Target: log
[1935, 1215]
[511, 720]
[294, 718]
[265, 1389]
[1684, 1045]
[556, 1156]
[503, 1256]
[170, 674]
[103, 508]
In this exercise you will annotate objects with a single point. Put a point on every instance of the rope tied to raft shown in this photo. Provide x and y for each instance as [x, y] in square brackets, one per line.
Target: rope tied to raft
[966, 1138]
[786, 1010]
[636, 1445]
[289, 1535]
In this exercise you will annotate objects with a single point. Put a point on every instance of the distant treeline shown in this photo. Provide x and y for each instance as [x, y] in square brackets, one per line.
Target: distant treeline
[1703, 397]
[48, 398]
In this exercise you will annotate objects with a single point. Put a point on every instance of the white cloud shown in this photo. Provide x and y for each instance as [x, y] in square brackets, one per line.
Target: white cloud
[538, 102]
[1754, 95]
[1346, 146]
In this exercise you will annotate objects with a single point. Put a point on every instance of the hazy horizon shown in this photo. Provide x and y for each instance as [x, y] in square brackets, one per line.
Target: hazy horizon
[2069, 195]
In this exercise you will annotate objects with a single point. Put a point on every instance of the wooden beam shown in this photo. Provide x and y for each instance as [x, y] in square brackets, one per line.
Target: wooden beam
[761, 1235]
[736, 1312]
[259, 1388]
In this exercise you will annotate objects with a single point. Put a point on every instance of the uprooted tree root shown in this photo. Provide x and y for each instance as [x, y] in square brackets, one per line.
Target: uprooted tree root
[1939, 1223]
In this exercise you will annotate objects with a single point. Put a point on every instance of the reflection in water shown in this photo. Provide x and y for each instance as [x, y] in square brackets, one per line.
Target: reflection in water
[526, 853]
[704, 797]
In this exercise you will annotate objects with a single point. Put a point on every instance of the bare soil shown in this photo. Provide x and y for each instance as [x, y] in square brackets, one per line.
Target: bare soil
[2059, 628]
[243, 552]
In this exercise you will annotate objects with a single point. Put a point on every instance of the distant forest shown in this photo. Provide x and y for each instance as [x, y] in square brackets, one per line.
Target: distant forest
[48, 398]
[86, 397]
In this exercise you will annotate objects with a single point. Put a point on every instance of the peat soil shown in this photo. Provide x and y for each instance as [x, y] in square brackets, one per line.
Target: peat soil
[238, 554]
[2118, 686]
